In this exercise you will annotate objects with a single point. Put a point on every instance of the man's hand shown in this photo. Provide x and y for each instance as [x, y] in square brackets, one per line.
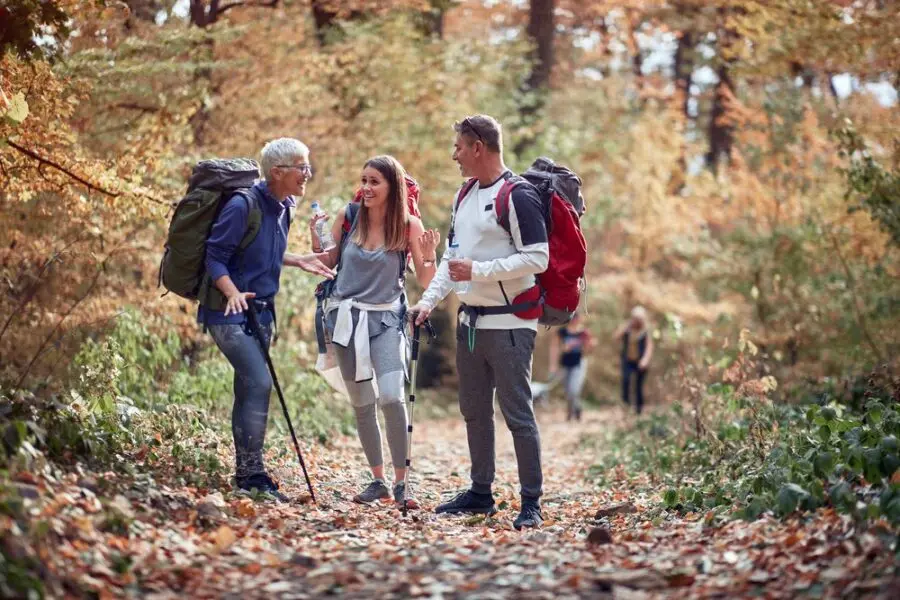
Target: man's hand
[312, 263]
[461, 269]
[419, 312]
[237, 302]
[643, 365]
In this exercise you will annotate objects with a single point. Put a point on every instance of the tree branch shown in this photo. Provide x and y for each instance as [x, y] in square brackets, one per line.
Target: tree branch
[45, 161]
[96, 279]
[88, 184]
[261, 3]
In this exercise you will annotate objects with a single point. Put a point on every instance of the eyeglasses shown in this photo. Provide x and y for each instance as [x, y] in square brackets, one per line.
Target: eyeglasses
[305, 168]
[467, 124]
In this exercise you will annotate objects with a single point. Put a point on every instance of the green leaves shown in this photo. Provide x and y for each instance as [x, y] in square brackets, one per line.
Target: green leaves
[789, 497]
[816, 455]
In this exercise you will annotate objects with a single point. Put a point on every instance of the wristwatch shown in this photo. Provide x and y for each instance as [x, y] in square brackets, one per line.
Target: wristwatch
[429, 262]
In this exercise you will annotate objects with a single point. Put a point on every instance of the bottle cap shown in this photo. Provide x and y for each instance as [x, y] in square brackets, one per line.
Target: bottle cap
[315, 205]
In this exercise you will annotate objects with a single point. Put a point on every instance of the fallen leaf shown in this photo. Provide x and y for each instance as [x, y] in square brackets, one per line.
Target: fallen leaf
[223, 537]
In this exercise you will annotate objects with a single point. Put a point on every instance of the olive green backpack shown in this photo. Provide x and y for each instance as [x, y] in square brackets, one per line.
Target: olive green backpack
[213, 182]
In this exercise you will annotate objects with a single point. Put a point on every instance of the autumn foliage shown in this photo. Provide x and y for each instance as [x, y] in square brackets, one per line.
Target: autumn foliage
[741, 167]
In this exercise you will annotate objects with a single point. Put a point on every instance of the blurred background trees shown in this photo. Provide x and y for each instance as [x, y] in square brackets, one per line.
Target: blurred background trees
[740, 158]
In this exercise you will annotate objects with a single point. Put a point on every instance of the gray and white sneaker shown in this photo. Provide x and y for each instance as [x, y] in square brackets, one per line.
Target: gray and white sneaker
[401, 494]
[377, 490]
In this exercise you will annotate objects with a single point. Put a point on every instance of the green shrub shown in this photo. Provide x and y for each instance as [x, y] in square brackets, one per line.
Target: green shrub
[780, 459]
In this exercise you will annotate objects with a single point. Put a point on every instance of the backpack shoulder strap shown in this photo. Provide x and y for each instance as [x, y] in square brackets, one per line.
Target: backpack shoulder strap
[254, 217]
[351, 211]
[350, 214]
[501, 204]
[460, 196]
[463, 192]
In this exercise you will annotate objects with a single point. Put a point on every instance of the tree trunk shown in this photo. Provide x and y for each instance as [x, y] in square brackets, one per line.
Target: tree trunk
[684, 69]
[324, 16]
[541, 31]
[201, 16]
[721, 132]
[432, 20]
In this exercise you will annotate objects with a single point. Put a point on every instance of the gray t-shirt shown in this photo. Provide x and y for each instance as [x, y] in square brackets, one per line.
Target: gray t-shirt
[370, 276]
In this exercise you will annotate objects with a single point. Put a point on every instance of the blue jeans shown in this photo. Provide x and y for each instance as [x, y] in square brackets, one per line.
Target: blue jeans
[630, 369]
[252, 387]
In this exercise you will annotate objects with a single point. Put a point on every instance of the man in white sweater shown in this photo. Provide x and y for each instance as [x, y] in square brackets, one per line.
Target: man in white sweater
[489, 262]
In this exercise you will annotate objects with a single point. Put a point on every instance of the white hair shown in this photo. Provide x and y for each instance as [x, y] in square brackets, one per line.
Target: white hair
[283, 151]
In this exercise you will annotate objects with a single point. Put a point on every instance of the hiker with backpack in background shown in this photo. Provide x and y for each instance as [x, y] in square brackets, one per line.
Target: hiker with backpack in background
[498, 243]
[364, 310]
[226, 245]
[637, 350]
[567, 352]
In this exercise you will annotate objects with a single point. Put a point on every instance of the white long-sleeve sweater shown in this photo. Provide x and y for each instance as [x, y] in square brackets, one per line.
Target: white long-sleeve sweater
[512, 257]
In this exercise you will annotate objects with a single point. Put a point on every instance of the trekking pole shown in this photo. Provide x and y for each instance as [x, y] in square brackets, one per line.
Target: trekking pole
[413, 364]
[257, 332]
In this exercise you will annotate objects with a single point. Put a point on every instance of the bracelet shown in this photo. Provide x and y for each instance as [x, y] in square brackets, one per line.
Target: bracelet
[429, 262]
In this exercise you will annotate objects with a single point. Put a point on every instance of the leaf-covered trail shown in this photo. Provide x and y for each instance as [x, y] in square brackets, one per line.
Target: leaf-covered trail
[208, 545]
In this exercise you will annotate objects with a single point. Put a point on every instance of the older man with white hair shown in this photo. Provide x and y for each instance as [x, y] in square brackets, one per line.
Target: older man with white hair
[251, 275]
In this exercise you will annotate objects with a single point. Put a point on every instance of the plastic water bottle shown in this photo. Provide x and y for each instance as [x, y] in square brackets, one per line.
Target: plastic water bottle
[323, 230]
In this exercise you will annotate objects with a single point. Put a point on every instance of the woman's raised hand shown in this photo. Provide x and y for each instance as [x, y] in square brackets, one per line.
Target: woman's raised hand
[319, 216]
[428, 242]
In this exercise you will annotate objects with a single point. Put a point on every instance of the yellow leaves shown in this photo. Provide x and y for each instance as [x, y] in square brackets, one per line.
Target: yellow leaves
[744, 343]
[16, 108]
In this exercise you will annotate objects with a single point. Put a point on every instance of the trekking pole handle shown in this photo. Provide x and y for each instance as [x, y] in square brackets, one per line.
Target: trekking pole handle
[417, 330]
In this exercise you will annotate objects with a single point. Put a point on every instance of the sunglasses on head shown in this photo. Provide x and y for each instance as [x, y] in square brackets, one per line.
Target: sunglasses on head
[467, 124]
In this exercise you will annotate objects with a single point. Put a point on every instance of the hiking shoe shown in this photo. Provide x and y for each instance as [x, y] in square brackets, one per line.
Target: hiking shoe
[262, 484]
[376, 490]
[530, 516]
[400, 494]
[469, 502]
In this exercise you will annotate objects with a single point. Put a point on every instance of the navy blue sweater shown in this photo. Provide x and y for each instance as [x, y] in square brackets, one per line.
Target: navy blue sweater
[258, 268]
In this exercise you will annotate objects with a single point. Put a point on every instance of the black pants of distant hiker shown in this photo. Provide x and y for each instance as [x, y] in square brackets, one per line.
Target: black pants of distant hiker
[501, 359]
[631, 371]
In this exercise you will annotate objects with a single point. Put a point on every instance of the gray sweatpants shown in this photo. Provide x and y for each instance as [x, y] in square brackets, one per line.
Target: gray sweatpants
[497, 362]
[574, 382]
[389, 375]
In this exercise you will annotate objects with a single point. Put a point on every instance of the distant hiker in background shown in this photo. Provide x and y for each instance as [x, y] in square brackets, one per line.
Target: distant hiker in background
[245, 251]
[637, 349]
[364, 311]
[575, 341]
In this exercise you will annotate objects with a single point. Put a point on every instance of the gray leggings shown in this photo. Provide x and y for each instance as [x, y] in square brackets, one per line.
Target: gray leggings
[389, 376]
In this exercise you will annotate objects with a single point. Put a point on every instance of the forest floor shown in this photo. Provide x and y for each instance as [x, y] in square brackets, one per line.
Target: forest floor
[113, 536]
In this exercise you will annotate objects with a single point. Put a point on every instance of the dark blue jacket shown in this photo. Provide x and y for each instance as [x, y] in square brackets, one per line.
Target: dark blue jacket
[258, 268]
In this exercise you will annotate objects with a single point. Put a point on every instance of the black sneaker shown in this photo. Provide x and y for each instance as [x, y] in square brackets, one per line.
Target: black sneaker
[402, 498]
[376, 490]
[469, 502]
[262, 484]
[530, 516]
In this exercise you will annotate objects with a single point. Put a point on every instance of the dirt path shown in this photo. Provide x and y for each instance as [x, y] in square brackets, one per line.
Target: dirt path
[182, 544]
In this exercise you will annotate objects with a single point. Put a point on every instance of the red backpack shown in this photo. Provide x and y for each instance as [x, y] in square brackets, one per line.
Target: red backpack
[557, 294]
